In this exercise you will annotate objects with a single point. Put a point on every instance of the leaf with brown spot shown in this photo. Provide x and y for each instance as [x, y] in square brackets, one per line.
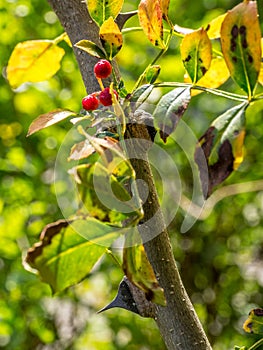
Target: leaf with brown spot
[214, 27]
[150, 17]
[170, 110]
[220, 150]
[48, 119]
[196, 53]
[254, 323]
[216, 75]
[110, 37]
[240, 40]
[101, 10]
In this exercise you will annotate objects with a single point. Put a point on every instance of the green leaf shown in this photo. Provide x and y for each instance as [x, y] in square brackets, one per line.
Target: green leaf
[68, 250]
[240, 39]
[101, 10]
[170, 109]
[33, 61]
[196, 53]
[48, 119]
[102, 190]
[150, 17]
[141, 94]
[111, 38]
[254, 323]
[139, 271]
[152, 73]
[220, 150]
[90, 48]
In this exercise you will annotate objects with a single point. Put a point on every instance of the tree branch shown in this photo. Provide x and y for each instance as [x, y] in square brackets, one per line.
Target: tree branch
[178, 322]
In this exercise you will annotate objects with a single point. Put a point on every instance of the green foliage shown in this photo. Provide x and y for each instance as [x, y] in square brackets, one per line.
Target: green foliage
[215, 255]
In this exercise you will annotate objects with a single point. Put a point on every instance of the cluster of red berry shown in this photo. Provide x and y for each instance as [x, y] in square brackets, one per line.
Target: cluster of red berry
[102, 70]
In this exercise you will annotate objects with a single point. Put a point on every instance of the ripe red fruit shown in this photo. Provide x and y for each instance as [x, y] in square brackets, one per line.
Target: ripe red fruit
[105, 97]
[102, 69]
[90, 103]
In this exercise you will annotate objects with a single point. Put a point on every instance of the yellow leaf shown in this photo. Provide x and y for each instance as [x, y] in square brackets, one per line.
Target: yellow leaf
[260, 77]
[238, 149]
[150, 17]
[216, 75]
[33, 61]
[214, 27]
[101, 10]
[111, 37]
[165, 7]
[196, 53]
[241, 47]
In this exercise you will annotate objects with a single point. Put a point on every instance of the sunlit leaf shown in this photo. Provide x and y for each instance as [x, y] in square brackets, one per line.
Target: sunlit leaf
[150, 17]
[101, 10]
[220, 150]
[90, 48]
[111, 37]
[240, 39]
[48, 119]
[33, 61]
[165, 7]
[67, 250]
[214, 27]
[254, 323]
[216, 75]
[170, 109]
[84, 149]
[196, 53]
[138, 269]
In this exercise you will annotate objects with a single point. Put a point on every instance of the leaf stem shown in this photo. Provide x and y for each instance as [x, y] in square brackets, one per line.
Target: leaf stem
[256, 345]
[217, 92]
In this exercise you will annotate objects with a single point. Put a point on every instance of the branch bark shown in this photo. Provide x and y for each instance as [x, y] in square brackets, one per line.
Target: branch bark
[177, 322]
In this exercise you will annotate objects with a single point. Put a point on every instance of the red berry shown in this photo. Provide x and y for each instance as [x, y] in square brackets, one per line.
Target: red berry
[90, 103]
[102, 69]
[105, 97]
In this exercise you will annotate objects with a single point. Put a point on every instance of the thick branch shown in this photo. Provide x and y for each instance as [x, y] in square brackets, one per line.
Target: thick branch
[75, 19]
[178, 323]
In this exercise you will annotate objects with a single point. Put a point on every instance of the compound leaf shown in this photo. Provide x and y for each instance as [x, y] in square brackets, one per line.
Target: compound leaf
[240, 39]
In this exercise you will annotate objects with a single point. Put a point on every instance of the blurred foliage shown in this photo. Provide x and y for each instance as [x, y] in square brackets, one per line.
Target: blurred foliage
[220, 258]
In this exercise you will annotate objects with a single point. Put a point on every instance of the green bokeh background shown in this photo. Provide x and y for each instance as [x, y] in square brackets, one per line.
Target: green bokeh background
[220, 258]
